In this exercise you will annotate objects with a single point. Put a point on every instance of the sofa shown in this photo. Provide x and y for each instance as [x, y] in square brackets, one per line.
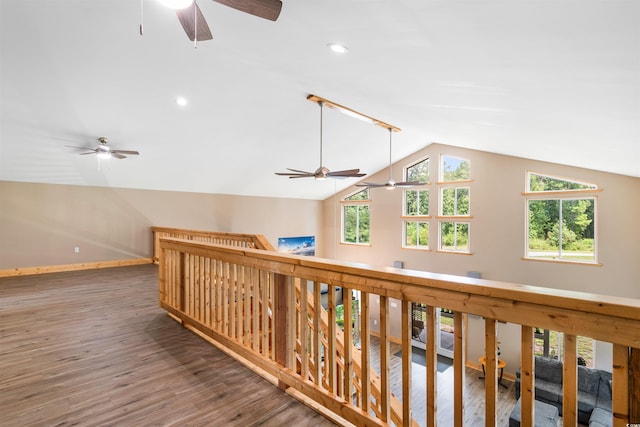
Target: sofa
[594, 390]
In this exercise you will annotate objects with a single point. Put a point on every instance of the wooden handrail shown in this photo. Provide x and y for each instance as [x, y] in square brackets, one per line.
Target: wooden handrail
[255, 241]
[199, 278]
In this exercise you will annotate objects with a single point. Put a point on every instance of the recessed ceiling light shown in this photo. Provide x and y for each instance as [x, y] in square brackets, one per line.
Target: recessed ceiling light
[337, 48]
[181, 101]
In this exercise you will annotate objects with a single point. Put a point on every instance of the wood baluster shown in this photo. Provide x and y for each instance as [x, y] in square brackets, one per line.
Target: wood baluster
[432, 365]
[304, 329]
[385, 363]
[331, 339]
[622, 395]
[347, 342]
[491, 368]
[459, 363]
[570, 381]
[365, 363]
[317, 331]
[527, 377]
[407, 351]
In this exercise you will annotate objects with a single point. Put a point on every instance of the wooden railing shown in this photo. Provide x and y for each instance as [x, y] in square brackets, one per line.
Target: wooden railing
[253, 303]
[255, 241]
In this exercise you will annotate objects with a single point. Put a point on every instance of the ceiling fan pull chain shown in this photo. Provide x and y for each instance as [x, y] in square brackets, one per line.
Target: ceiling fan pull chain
[141, 17]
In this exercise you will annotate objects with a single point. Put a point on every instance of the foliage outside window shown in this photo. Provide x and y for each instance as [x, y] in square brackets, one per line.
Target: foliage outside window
[560, 226]
[550, 344]
[454, 169]
[418, 171]
[454, 236]
[416, 234]
[356, 218]
[417, 201]
[455, 201]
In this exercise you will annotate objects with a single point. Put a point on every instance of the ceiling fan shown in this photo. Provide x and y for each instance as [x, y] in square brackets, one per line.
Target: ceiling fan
[195, 25]
[391, 184]
[322, 172]
[103, 151]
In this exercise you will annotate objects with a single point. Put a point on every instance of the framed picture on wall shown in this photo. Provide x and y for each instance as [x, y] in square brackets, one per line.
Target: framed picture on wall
[302, 245]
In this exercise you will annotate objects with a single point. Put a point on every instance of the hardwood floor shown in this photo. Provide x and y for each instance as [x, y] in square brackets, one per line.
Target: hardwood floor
[92, 348]
[474, 391]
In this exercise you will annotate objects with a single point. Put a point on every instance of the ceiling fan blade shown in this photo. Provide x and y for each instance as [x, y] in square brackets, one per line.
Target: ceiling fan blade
[409, 184]
[187, 17]
[346, 173]
[370, 184]
[310, 175]
[90, 152]
[118, 155]
[299, 171]
[295, 175]
[267, 9]
[83, 148]
[130, 152]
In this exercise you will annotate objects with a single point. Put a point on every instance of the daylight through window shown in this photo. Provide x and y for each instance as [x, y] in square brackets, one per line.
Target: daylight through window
[560, 225]
[355, 218]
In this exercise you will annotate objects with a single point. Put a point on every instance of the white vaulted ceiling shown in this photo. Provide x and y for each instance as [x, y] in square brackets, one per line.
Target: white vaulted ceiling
[549, 80]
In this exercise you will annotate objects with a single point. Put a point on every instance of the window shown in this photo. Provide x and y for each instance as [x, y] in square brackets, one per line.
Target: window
[560, 219]
[355, 218]
[416, 202]
[416, 208]
[418, 171]
[454, 201]
[550, 344]
[454, 236]
[455, 205]
[416, 234]
[454, 169]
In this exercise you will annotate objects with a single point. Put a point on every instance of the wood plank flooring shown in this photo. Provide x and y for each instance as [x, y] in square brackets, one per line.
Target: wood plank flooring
[92, 348]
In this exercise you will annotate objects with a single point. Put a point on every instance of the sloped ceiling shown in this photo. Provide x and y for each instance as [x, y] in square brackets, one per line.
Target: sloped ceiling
[548, 80]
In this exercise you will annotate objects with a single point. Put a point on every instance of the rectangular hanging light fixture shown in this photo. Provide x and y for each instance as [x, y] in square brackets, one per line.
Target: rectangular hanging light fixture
[352, 113]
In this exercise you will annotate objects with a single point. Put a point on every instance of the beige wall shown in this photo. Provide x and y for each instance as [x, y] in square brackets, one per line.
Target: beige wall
[498, 236]
[41, 224]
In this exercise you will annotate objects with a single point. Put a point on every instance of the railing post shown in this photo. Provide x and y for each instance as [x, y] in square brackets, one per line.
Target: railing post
[460, 351]
[622, 390]
[491, 369]
[527, 378]
[570, 381]
[634, 386]
[280, 321]
[182, 277]
[406, 362]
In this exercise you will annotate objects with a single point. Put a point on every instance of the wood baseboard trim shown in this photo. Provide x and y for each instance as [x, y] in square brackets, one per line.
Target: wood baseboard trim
[25, 271]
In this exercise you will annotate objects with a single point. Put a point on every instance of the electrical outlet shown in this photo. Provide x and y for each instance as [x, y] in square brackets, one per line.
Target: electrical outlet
[76, 249]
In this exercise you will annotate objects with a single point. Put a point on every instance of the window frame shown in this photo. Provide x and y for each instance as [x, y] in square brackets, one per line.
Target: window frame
[456, 222]
[560, 196]
[418, 222]
[441, 179]
[358, 204]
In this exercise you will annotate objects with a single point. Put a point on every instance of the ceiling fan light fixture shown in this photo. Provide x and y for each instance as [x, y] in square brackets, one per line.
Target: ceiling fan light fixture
[103, 154]
[176, 4]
